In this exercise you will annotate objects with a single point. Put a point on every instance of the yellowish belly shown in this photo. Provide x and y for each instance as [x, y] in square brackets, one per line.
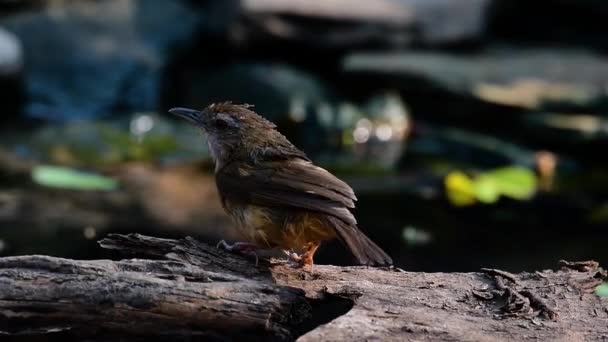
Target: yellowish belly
[269, 228]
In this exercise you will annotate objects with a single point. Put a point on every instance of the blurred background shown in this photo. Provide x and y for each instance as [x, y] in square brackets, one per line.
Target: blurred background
[474, 132]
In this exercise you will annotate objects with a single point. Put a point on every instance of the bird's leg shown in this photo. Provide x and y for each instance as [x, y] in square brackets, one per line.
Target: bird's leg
[244, 248]
[309, 251]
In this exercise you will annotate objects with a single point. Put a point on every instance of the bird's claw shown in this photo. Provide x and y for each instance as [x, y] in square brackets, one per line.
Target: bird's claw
[299, 259]
[293, 256]
[224, 245]
[244, 248]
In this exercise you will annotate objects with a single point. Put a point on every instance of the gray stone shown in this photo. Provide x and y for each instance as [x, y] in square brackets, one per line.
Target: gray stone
[11, 54]
[355, 23]
[532, 79]
[11, 74]
[90, 58]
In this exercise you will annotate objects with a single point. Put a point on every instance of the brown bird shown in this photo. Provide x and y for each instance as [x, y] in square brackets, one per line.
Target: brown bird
[276, 196]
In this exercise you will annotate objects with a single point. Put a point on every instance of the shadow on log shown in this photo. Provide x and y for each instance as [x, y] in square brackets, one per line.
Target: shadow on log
[188, 290]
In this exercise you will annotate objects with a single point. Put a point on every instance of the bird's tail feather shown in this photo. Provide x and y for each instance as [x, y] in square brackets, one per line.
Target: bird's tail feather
[364, 249]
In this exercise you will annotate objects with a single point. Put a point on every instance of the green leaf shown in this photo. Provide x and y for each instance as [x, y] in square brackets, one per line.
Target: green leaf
[602, 290]
[514, 182]
[459, 189]
[486, 190]
[66, 178]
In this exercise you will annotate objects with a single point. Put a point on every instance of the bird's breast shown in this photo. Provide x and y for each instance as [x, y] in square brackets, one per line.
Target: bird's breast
[272, 227]
[257, 224]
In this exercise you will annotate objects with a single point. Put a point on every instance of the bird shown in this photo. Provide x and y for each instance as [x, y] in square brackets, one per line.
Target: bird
[276, 196]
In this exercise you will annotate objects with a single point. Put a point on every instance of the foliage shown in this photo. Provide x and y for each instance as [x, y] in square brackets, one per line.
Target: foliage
[66, 178]
[487, 187]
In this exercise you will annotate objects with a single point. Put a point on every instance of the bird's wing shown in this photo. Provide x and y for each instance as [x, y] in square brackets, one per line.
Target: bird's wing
[294, 183]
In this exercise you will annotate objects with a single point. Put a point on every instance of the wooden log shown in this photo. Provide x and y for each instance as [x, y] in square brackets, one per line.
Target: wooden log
[43, 295]
[186, 288]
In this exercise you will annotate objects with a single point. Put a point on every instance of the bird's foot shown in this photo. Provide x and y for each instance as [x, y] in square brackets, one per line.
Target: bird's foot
[293, 256]
[302, 260]
[244, 248]
[306, 260]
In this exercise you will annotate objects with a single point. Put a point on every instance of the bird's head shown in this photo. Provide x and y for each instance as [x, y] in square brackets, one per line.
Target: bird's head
[231, 128]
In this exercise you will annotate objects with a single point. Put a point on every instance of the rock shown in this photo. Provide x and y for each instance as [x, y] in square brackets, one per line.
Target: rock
[587, 132]
[347, 23]
[11, 72]
[538, 79]
[460, 147]
[11, 54]
[272, 88]
[91, 58]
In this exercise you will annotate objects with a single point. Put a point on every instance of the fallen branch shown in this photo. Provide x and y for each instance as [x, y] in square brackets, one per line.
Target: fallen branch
[192, 289]
[518, 302]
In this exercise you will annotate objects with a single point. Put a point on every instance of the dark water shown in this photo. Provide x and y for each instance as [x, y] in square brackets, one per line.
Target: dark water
[455, 239]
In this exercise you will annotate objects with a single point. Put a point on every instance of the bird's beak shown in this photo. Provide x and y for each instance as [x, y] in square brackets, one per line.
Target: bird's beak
[192, 116]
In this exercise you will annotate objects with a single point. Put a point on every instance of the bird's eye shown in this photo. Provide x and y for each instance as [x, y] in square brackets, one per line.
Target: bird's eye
[221, 124]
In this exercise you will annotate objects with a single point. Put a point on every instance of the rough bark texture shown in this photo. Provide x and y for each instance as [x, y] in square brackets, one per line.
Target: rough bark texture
[189, 289]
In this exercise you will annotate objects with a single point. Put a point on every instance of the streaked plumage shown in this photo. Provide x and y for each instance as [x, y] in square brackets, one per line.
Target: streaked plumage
[275, 194]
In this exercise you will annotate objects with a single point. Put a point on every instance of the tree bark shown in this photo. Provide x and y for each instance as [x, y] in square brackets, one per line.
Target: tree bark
[188, 289]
